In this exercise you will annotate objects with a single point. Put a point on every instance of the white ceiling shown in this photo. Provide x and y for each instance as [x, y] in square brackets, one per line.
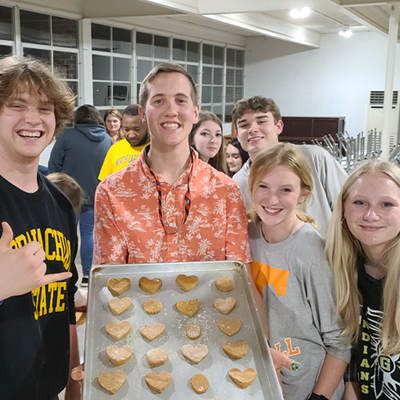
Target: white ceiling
[240, 18]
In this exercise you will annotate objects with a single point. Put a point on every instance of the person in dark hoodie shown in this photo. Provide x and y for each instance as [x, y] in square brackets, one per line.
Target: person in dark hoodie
[80, 152]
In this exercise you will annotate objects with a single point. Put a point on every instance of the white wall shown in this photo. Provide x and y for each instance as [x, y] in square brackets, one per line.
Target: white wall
[332, 81]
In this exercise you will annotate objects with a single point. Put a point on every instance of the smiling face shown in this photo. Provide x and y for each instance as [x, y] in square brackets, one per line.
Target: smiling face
[372, 211]
[257, 131]
[169, 113]
[27, 125]
[208, 140]
[233, 158]
[135, 132]
[112, 124]
[275, 199]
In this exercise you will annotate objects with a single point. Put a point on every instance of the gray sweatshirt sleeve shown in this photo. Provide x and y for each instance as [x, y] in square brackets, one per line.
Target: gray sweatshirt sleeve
[318, 288]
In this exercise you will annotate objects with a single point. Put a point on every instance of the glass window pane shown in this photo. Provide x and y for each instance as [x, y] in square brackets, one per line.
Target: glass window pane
[240, 58]
[101, 37]
[230, 76]
[239, 77]
[65, 32]
[143, 68]
[6, 23]
[230, 95]
[179, 47]
[206, 94]
[101, 94]
[218, 55]
[207, 75]
[207, 54]
[74, 88]
[121, 69]
[238, 93]
[194, 72]
[122, 94]
[101, 67]
[138, 91]
[35, 28]
[43, 55]
[218, 72]
[193, 53]
[230, 57]
[122, 41]
[66, 63]
[144, 44]
[161, 48]
[5, 50]
[217, 94]
[217, 110]
[228, 112]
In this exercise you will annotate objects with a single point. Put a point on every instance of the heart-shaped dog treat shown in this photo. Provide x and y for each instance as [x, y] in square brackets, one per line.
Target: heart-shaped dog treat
[199, 383]
[112, 382]
[150, 286]
[188, 308]
[118, 286]
[151, 332]
[118, 306]
[156, 357]
[158, 382]
[193, 331]
[229, 326]
[237, 349]
[152, 306]
[186, 283]
[119, 355]
[225, 306]
[243, 378]
[194, 353]
[224, 284]
[118, 330]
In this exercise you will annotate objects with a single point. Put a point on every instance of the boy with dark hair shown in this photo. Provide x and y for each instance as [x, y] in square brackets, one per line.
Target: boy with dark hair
[38, 342]
[126, 150]
[258, 124]
[169, 206]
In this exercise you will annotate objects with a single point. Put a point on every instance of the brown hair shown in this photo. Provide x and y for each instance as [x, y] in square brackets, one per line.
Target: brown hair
[28, 74]
[218, 161]
[115, 113]
[70, 187]
[88, 114]
[286, 155]
[166, 68]
[255, 104]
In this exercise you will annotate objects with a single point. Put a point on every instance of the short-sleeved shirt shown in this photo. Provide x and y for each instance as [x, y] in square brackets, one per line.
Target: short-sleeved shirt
[118, 157]
[128, 226]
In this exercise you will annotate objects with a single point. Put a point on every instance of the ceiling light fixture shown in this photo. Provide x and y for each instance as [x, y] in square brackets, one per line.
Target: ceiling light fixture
[345, 32]
[303, 13]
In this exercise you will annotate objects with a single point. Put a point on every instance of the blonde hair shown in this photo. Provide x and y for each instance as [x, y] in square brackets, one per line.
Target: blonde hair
[286, 155]
[344, 251]
[115, 113]
[25, 74]
[218, 161]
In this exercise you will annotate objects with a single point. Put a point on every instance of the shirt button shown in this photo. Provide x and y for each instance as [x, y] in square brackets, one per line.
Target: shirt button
[173, 254]
[171, 224]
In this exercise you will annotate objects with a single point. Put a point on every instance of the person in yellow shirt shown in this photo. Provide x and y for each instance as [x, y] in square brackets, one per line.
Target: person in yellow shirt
[126, 150]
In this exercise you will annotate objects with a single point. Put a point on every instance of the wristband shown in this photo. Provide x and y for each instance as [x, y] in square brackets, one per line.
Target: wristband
[314, 396]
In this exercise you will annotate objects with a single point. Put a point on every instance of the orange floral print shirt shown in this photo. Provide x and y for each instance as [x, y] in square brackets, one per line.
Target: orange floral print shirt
[128, 225]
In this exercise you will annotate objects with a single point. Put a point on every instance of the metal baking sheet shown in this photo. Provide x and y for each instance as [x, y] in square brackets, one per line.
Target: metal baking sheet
[215, 366]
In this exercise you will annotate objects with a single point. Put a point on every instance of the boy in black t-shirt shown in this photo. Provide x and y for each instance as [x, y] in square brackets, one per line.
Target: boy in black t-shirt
[38, 342]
